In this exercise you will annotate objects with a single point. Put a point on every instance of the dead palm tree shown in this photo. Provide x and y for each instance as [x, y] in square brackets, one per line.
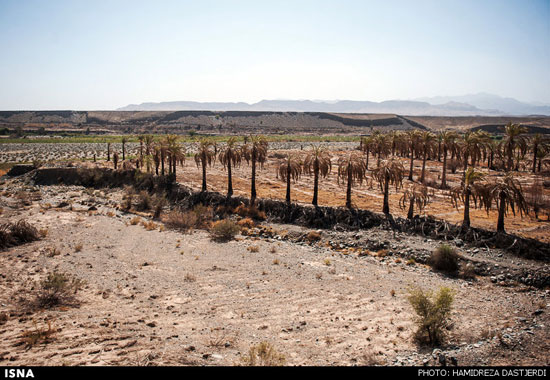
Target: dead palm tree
[513, 141]
[124, 141]
[230, 156]
[464, 192]
[389, 172]
[448, 142]
[366, 146]
[415, 195]
[351, 168]
[204, 156]
[413, 138]
[537, 141]
[317, 162]
[427, 140]
[380, 145]
[255, 151]
[508, 194]
[289, 169]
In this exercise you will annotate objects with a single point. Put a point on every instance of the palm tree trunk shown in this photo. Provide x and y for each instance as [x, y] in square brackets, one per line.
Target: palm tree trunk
[253, 182]
[315, 183]
[348, 192]
[288, 183]
[410, 214]
[444, 175]
[108, 151]
[466, 221]
[203, 160]
[229, 179]
[423, 176]
[123, 151]
[386, 206]
[501, 212]
[162, 162]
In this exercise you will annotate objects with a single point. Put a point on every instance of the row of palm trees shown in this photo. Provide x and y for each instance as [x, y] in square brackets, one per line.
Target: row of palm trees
[470, 149]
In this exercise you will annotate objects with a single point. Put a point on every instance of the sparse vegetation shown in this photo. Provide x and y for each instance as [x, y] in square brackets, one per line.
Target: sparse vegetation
[433, 311]
[57, 289]
[263, 354]
[224, 230]
[444, 259]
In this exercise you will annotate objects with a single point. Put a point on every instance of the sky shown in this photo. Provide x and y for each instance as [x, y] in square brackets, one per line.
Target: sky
[101, 55]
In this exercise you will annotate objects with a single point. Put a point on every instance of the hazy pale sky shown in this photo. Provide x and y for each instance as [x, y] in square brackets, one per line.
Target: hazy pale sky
[92, 55]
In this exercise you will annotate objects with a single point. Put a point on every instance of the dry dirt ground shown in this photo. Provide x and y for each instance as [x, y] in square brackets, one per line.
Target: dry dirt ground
[160, 297]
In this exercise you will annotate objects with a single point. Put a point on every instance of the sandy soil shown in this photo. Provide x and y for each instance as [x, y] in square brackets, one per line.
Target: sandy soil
[162, 297]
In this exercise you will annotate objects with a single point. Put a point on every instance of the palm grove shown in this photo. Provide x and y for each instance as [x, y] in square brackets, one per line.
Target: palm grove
[386, 159]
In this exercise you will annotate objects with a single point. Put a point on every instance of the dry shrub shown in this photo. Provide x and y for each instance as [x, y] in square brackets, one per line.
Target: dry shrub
[39, 335]
[444, 259]
[224, 230]
[246, 222]
[468, 271]
[149, 225]
[182, 221]
[433, 313]
[263, 354]
[143, 201]
[57, 289]
[135, 220]
[250, 212]
[12, 234]
[253, 248]
[313, 236]
[204, 215]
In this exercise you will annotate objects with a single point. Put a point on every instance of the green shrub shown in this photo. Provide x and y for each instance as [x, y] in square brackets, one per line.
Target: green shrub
[444, 259]
[433, 313]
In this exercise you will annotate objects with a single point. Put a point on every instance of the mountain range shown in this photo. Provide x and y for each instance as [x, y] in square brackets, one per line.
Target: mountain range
[481, 104]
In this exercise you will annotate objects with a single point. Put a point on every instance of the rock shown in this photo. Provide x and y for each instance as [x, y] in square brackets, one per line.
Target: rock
[538, 312]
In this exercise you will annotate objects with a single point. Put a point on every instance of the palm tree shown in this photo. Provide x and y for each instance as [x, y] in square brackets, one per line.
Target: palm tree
[317, 162]
[508, 194]
[204, 156]
[115, 160]
[381, 146]
[141, 138]
[464, 191]
[448, 139]
[255, 151]
[427, 140]
[108, 151]
[513, 141]
[413, 137]
[537, 141]
[149, 139]
[414, 195]
[124, 141]
[289, 168]
[353, 169]
[366, 144]
[389, 172]
[230, 156]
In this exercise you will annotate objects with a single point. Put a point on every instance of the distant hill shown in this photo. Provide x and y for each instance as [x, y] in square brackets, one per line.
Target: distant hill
[401, 107]
[505, 106]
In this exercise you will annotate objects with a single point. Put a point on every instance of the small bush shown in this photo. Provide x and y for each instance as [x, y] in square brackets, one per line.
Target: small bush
[12, 234]
[250, 212]
[444, 259]
[57, 289]
[143, 201]
[468, 271]
[135, 220]
[313, 236]
[39, 335]
[263, 354]
[246, 222]
[224, 230]
[433, 312]
[182, 221]
[253, 248]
